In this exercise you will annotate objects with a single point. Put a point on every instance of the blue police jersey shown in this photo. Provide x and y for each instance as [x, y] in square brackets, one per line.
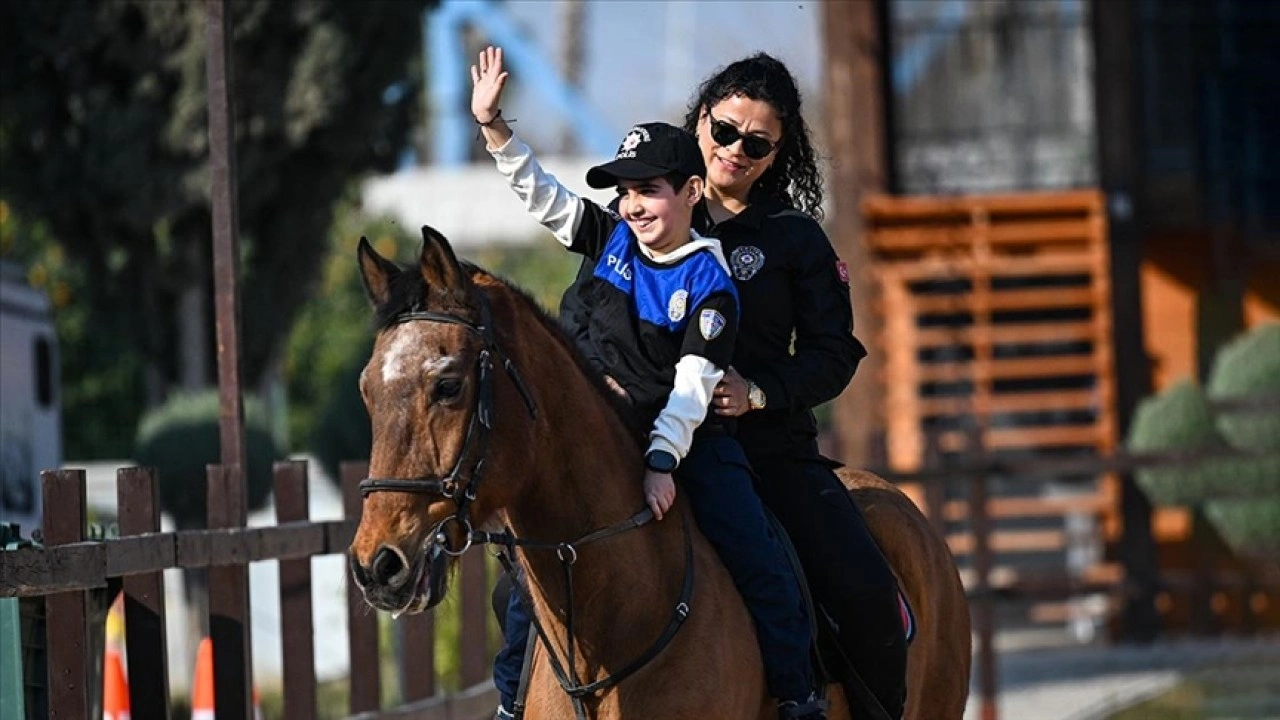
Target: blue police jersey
[647, 315]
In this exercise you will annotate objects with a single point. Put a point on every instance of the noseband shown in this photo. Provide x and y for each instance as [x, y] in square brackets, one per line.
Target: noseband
[458, 486]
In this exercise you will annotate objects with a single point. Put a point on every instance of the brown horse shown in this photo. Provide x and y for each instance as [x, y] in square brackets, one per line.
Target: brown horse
[484, 417]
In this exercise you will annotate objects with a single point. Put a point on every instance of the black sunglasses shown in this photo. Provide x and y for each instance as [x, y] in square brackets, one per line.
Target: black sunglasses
[753, 146]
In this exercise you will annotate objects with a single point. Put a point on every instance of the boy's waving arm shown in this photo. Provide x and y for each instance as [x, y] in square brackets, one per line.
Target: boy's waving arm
[578, 224]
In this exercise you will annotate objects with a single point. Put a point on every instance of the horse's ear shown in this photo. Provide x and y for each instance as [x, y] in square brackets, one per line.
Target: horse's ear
[440, 267]
[377, 273]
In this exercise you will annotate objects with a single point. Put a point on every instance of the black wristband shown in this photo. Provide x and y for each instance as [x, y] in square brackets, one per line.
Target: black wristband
[661, 461]
[492, 120]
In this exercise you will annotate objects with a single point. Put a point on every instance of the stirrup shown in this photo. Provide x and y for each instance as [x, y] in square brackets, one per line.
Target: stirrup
[815, 708]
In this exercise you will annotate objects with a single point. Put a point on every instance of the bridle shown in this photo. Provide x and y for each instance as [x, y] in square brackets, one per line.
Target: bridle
[458, 486]
[461, 489]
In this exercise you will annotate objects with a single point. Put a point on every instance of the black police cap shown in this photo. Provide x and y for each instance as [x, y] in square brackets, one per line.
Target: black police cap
[648, 151]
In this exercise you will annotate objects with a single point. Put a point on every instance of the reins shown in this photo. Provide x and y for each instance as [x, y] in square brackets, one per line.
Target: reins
[567, 553]
[461, 489]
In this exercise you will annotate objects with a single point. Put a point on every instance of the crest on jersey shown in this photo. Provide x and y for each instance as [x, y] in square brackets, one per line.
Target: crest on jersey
[710, 324]
[677, 305]
[746, 261]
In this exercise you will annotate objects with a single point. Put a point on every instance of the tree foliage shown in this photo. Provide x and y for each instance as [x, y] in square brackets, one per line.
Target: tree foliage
[103, 138]
[102, 389]
[331, 341]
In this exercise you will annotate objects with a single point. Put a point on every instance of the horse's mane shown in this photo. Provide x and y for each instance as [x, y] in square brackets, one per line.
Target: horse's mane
[408, 293]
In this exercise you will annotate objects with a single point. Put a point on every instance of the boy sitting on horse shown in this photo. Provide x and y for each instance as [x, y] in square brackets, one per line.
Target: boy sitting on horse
[662, 332]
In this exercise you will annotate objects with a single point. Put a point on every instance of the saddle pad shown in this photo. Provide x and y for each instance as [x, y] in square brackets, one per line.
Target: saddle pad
[908, 617]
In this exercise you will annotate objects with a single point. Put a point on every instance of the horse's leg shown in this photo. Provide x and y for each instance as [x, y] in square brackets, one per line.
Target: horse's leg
[939, 658]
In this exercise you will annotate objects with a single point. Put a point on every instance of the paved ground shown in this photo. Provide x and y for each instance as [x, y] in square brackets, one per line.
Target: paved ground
[1042, 676]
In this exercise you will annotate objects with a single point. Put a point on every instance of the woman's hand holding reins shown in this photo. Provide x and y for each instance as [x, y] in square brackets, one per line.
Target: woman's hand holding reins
[730, 396]
[487, 82]
[659, 492]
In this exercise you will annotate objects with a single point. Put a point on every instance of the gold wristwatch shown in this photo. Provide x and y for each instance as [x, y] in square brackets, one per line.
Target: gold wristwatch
[755, 396]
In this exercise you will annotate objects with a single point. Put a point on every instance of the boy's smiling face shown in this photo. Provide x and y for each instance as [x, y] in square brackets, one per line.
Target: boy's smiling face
[658, 214]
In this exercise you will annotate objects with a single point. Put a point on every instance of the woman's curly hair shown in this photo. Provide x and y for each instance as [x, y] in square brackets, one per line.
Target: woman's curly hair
[793, 177]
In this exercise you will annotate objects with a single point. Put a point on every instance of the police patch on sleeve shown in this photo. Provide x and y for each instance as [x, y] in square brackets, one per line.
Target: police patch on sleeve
[746, 261]
[677, 305]
[710, 324]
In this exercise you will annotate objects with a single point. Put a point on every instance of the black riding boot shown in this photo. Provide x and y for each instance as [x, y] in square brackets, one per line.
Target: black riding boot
[878, 648]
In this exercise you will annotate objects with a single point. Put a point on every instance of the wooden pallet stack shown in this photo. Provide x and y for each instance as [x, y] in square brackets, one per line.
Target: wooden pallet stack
[996, 320]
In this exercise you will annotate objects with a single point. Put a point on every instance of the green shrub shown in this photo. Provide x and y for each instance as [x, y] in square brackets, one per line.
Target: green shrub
[1240, 496]
[1249, 367]
[1176, 419]
[181, 437]
[1249, 526]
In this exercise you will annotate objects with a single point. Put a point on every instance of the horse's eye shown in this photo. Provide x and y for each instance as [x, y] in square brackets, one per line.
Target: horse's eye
[448, 389]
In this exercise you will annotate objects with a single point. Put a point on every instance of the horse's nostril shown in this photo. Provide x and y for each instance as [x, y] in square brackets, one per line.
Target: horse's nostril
[357, 570]
[386, 565]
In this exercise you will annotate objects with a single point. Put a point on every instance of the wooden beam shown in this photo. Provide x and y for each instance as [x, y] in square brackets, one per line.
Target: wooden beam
[879, 207]
[228, 586]
[1120, 151]
[297, 633]
[362, 622]
[857, 138]
[229, 601]
[66, 614]
[138, 500]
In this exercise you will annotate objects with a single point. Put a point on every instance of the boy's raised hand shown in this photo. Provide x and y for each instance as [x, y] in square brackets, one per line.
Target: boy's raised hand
[487, 81]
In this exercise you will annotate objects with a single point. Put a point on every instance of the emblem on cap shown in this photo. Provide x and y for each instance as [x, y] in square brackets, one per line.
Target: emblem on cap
[677, 305]
[746, 261]
[710, 324]
[633, 139]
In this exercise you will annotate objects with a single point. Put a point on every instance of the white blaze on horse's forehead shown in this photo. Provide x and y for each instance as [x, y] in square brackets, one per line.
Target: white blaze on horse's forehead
[399, 359]
[432, 366]
[396, 357]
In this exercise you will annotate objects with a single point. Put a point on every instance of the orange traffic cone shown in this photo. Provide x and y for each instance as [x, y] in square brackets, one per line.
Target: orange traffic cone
[115, 690]
[202, 690]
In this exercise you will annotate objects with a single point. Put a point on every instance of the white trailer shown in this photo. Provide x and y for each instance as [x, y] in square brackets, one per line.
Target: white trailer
[30, 416]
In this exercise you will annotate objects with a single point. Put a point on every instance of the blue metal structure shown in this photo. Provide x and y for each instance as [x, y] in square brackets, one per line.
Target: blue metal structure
[447, 68]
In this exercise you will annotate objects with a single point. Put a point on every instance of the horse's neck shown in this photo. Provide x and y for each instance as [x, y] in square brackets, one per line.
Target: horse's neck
[587, 474]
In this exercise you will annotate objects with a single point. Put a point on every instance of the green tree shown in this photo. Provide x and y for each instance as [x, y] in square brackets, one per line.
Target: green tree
[102, 390]
[332, 337]
[103, 137]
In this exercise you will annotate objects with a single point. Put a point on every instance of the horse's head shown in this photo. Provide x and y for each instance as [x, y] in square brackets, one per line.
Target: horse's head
[428, 387]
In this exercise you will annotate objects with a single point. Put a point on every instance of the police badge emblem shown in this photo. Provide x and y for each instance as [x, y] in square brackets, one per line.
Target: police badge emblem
[710, 324]
[746, 261]
[633, 139]
[677, 304]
